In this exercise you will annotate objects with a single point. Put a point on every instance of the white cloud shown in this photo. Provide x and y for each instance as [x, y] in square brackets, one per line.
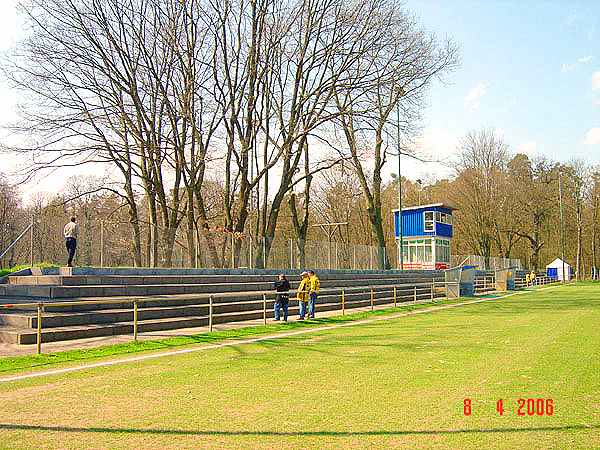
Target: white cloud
[472, 100]
[592, 137]
[528, 148]
[596, 80]
[597, 102]
[569, 67]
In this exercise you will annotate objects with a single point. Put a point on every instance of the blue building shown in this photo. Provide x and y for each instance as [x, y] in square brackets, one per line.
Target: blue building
[427, 232]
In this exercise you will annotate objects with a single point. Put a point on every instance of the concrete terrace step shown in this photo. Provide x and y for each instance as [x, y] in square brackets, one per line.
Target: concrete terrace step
[145, 271]
[19, 335]
[175, 298]
[119, 302]
[52, 318]
[100, 280]
[62, 291]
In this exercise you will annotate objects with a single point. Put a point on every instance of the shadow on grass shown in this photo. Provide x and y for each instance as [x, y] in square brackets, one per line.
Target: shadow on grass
[159, 431]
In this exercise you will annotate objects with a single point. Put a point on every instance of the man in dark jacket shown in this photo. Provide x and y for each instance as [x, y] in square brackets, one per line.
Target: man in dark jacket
[282, 286]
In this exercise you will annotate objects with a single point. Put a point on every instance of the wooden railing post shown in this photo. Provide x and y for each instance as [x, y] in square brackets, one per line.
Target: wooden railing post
[395, 297]
[210, 313]
[432, 288]
[343, 303]
[135, 320]
[415, 294]
[372, 298]
[264, 309]
[40, 309]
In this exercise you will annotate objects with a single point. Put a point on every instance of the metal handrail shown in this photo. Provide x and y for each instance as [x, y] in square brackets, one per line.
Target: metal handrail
[16, 240]
[202, 296]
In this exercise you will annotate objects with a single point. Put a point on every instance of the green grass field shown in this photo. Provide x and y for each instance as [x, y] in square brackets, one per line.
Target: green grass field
[394, 383]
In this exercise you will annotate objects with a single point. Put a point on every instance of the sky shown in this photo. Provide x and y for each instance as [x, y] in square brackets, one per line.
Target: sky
[529, 70]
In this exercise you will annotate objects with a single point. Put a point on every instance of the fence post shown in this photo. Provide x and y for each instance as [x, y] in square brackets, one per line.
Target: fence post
[432, 288]
[232, 252]
[135, 320]
[415, 294]
[31, 243]
[395, 297]
[264, 309]
[250, 245]
[371, 298]
[40, 309]
[210, 313]
[102, 243]
[197, 259]
[343, 303]
[337, 265]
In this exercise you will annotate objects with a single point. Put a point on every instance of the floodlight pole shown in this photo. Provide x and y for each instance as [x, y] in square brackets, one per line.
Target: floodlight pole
[400, 233]
[562, 226]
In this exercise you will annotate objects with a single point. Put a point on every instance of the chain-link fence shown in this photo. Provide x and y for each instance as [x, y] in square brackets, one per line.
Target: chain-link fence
[483, 263]
[117, 244]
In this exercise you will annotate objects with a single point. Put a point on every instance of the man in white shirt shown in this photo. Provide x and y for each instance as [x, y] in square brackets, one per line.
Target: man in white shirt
[70, 233]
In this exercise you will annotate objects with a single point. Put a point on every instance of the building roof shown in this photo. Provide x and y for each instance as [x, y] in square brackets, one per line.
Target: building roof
[431, 205]
[558, 263]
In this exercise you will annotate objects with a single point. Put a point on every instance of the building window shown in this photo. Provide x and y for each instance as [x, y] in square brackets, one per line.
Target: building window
[442, 250]
[417, 251]
[429, 221]
[432, 217]
[442, 217]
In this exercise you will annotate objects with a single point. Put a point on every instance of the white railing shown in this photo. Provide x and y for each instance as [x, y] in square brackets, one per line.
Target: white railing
[483, 263]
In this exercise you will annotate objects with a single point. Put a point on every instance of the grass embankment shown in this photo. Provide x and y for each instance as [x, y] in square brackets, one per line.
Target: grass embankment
[4, 272]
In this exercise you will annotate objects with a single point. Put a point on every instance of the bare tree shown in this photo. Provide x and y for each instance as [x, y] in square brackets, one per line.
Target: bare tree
[402, 63]
[481, 167]
[12, 220]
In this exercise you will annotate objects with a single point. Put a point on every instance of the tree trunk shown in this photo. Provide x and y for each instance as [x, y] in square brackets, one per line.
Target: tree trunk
[191, 221]
[153, 231]
[377, 225]
[212, 249]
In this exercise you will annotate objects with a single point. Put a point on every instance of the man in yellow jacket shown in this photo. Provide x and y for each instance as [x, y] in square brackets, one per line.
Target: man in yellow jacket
[315, 285]
[302, 294]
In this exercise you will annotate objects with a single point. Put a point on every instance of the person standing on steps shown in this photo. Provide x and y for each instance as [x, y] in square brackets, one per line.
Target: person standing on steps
[282, 286]
[314, 285]
[302, 295]
[70, 232]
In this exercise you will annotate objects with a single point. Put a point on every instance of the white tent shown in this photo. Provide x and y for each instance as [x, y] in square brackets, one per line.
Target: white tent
[555, 269]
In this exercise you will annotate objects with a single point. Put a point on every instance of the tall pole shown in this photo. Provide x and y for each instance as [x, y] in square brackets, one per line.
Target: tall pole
[562, 226]
[400, 235]
[101, 243]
